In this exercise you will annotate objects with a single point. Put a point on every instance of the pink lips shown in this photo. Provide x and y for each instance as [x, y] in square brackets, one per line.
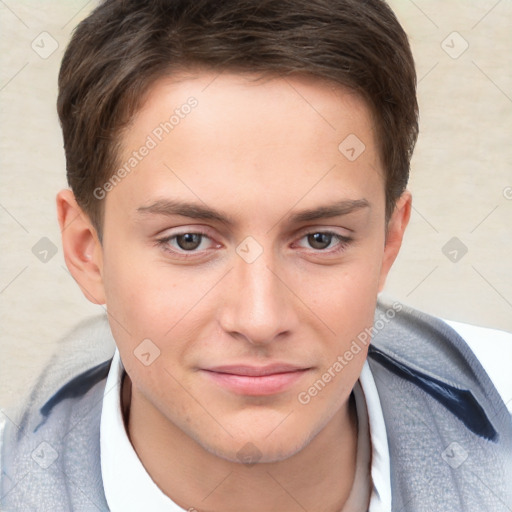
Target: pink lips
[256, 380]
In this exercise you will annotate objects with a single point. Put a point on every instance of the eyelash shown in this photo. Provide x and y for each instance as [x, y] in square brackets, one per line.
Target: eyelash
[343, 242]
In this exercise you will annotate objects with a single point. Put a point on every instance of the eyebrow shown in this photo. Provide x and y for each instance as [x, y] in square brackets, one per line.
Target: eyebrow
[170, 207]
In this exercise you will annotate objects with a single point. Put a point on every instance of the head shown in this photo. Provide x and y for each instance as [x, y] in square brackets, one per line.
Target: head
[238, 177]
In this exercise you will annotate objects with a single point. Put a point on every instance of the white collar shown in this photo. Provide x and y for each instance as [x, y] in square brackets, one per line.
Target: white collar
[128, 486]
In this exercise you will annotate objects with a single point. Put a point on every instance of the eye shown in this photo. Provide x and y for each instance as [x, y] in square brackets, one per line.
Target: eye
[189, 241]
[180, 244]
[322, 240]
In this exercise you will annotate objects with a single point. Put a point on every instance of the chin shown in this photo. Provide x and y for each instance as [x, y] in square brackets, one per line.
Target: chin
[253, 449]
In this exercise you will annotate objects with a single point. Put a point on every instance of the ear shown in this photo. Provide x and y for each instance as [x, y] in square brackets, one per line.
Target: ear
[395, 233]
[82, 249]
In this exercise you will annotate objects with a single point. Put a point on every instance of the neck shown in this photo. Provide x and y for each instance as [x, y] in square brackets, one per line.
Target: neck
[319, 477]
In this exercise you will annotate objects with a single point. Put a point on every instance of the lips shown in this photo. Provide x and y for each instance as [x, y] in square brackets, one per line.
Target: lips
[256, 380]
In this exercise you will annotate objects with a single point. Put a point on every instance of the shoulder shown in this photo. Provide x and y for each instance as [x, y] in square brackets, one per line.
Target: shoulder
[431, 341]
[493, 349]
[80, 361]
[416, 336]
[441, 411]
[435, 358]
[58, 424]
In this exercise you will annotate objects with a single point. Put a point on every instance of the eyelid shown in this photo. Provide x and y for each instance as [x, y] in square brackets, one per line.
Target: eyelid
[308, 230]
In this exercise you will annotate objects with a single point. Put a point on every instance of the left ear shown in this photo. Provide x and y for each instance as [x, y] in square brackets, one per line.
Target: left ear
[395, 233]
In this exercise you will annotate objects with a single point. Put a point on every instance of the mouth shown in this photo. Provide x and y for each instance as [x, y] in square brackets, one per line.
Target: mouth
[256, 380]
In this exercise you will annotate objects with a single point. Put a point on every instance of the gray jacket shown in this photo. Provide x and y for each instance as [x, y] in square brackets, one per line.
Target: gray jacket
[449, 432]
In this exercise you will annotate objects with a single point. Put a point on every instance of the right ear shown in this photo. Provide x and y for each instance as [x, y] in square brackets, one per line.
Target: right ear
[82, 248]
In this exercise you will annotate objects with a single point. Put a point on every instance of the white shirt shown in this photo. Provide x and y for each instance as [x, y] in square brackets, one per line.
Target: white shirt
[128, 487]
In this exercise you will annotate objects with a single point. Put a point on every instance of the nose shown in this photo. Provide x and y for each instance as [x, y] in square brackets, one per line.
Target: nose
[258, 305]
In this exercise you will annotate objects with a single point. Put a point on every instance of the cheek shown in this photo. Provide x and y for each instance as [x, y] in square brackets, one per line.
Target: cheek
[346, 299]
[140, 292]
[347, 307]
[145, 307]
[149, 300]
[135, 304]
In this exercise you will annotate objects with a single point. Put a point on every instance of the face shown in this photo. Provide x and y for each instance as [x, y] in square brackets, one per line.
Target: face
[242, 253]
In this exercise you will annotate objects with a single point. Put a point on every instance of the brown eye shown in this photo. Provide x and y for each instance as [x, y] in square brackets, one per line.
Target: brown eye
[319, 240]
[186, 244]
[324, 243]
[189, 241]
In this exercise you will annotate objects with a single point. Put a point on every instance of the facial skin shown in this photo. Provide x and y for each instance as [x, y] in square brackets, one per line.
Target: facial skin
[259, 153]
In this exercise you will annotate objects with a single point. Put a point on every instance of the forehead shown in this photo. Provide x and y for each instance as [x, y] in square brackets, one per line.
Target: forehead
[262, 106]
[250, 139]
[231, 97]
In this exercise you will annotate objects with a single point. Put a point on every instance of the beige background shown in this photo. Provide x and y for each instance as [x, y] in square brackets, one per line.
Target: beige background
[461, 174]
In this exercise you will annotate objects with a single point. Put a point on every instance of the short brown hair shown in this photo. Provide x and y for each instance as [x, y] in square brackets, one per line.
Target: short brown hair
[124, 46]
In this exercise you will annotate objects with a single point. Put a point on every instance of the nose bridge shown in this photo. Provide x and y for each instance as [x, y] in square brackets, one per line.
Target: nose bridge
[259, 307]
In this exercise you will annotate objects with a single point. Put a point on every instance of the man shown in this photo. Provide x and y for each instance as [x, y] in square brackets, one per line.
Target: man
[238, 177]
